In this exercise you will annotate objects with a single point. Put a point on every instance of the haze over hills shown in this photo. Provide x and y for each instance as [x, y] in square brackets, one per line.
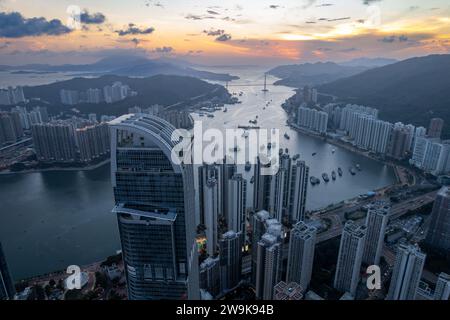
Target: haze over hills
[313, 74]
[160, 89]
[368, 62]
[412, 90]
[126, 65]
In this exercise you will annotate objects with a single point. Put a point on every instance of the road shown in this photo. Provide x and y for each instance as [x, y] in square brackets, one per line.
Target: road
[397, 211]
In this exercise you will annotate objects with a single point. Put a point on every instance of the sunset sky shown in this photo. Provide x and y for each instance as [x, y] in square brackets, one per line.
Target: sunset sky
[223, 32]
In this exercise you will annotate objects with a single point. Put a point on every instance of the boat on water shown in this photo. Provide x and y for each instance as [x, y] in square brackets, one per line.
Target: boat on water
[340, 172]
[333, 175]
[325, 177]
[314, 154]
[314, 180]
[248, 166]
[352, 171]
[286, 136]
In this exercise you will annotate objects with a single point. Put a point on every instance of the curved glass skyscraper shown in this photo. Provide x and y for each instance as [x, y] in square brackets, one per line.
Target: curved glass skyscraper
[154, 200]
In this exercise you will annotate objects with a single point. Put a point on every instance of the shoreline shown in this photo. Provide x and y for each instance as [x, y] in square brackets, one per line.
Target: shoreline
[57, 169]
[346, 147]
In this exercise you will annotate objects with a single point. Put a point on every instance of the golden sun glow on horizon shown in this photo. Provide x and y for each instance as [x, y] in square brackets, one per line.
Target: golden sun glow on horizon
[291, 30]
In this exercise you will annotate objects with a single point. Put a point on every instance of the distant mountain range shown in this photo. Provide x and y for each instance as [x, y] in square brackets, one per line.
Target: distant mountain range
[313, 74]
[368, 62]
[126, 65]
[412, 90]
[161, 89]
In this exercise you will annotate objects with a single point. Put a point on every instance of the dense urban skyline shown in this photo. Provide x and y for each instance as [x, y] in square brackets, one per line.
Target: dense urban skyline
[258, 177]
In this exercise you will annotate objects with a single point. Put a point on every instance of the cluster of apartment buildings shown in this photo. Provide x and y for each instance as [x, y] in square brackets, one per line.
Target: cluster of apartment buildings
[12, 96]
[109, 94]
[360, 126]
[70, 141]
[14, 123]
[312, 119]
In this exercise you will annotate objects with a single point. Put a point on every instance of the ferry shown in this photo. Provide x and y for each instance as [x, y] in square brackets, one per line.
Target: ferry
[340, 172]
[333, 175]
[287, 136]
[352, 171]
[325, 177]
[248, 166]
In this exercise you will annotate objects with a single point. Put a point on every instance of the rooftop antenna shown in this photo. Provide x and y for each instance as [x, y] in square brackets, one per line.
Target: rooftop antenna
[265, 83]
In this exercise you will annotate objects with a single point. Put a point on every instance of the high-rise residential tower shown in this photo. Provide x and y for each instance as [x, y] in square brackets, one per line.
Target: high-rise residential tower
[283, 194]
[268, 267]
[235, 215]
[155, 207]
[230, 248]
[442, 291]
[211, 209]
[7, 290]
[409, 262]
[210, 276]
[258, 227]
[350, 257]
[435, 128]
[439, 232]
[301, 254]
[376, 222]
